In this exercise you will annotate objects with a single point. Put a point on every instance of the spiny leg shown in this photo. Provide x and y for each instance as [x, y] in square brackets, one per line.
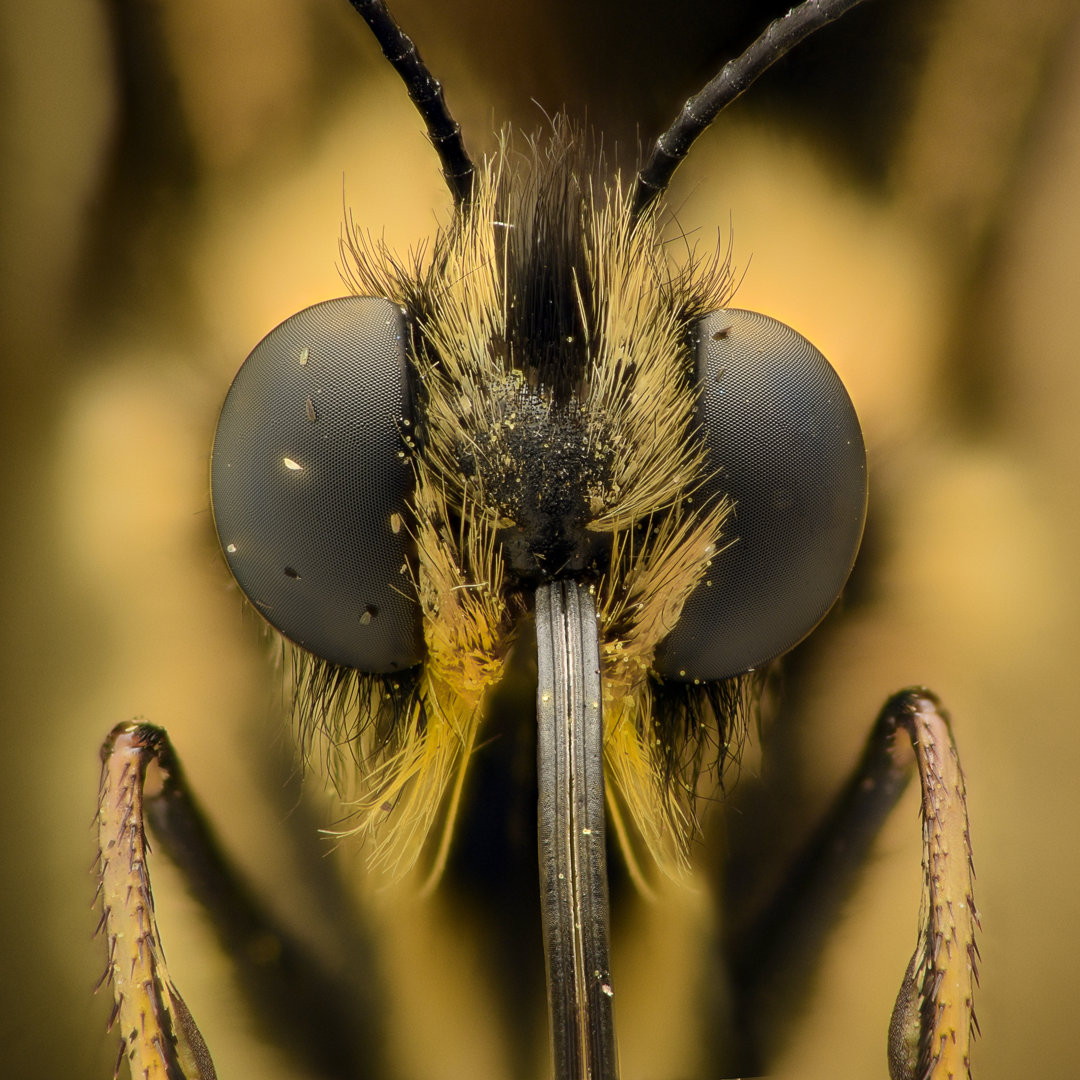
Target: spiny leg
[771, 962]
[159, 1036]
[317, 1016]
[933, 1023]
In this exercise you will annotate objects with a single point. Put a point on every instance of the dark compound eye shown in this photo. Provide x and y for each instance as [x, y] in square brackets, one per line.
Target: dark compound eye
[784, 443]
[309, 483]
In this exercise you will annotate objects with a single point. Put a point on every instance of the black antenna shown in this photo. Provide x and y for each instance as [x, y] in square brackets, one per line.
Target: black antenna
[702, 109]
[427, 95]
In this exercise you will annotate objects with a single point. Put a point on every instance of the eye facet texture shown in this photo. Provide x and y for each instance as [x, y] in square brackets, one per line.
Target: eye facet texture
[309, 483]
[784, 444]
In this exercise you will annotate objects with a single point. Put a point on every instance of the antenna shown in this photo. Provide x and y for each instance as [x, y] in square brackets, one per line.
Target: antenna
[734, 77]
[426, 93]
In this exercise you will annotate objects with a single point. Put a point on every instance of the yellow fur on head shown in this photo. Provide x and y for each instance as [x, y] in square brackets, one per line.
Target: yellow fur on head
[635, 408]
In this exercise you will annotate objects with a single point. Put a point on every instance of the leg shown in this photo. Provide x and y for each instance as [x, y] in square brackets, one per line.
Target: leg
[771, 961]
[159, 1036]
[311, 1012]
[933, 1023]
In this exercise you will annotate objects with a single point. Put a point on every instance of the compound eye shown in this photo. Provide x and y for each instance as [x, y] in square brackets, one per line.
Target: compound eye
[784, 443]
[309, 483]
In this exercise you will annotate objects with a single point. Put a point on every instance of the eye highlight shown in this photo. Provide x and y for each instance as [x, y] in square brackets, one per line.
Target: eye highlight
[310, 481]
[784, 444]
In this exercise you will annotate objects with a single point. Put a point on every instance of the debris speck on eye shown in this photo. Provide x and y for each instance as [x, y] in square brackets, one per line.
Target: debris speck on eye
[369, 614]
[230, 548]
[290, 572]
[395, 523]
[722, 333]
[309, 410]
[304, 355]
[295, 466]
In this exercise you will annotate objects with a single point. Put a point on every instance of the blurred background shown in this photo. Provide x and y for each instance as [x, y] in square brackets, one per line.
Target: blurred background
[903, 190]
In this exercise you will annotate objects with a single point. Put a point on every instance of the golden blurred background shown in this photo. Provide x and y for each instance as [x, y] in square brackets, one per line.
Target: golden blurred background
[904, 191]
